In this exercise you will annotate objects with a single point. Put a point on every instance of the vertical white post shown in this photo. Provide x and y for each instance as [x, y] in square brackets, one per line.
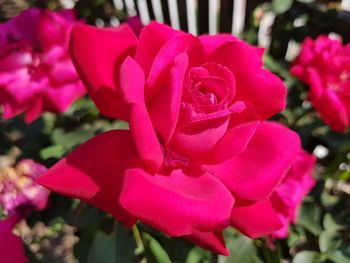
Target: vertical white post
[192, 16]
[143, 10]
[118, 4]
[130, 7]
[345, 5]
[174, 14]
[238, 17]
[157, 10]
[214, 9]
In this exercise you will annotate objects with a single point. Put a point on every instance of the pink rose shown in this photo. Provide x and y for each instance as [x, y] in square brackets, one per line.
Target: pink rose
[11, 246]
[290, 193]
[324, 64]
[36, 72]
[200, 155]
[19, 190]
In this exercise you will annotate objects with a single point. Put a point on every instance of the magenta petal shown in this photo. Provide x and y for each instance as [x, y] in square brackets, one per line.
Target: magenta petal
[152, 39]
[211, 42]
[264, 90]
[132, 82]
[233, 143]
[92, 172]
[166, 105]
[213, 241]
[255, 219]
[34, 110]
[97, 54]
[255, 172]
[11, 246]
[183, 43]
[178, 202]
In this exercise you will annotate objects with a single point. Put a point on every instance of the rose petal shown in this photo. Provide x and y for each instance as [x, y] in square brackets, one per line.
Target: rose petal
[34, 110]
[182, 43]
[233, 143]
[255, 219]
[198, 137]
[260, 87]
[166, 105]
[11, 246]
[92, 172]
[178, 202]
[59, 99]
[97, 54]
[132, 82]
[153, 37]
[262, 165]
[210, 240]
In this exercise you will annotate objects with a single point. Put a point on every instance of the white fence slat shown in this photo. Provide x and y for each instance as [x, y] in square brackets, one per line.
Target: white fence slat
[143, 11]
[214, 9]
[345, 5]
[191, 12]
[118, 4]
[130, 7]
[174, 14]
[157, 10]
[238, 17]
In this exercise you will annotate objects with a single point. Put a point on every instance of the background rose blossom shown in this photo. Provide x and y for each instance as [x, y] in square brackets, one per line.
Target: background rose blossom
[36, 72]
[291, 191]
[324, 64]
[200, 155]
[19, 191]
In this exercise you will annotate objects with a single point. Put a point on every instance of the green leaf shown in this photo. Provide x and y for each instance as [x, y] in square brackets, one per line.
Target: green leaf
[309, 218]
[70, 139]
[306, 257]
[330, 224]
[117, 247]
[241, 249]
[338, 257]
[196, 255]
[281, 6]
[103, 249]
[154, 251]
[53, 151]
[329, 240]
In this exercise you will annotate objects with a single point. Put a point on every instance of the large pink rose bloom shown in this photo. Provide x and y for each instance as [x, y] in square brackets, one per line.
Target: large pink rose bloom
[36, 72]
[290, 193]
[324, 64]
[200, 155]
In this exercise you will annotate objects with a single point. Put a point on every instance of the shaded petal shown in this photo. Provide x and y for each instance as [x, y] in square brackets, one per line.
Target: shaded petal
[255, 219]
[183, 43]
[255, 173]
[178, 202]
[58, 99]
[11, 246]
[166, 105]
[97, 55]
[153, 37]
[213, 241]
[132, 82]
[93, 172]
[233, 143]
[34, 110]
[260, 87]
[188, 139]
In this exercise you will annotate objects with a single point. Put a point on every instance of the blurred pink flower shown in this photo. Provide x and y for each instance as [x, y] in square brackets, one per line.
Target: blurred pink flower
[36, 72]
[290, 193]
[324, 64]
[19, 190]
